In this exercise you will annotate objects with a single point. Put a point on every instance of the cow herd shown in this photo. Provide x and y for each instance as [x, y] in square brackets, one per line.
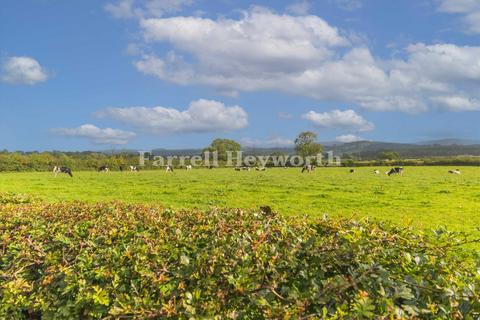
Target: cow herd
[245, 168]
[393, 171]
[396, 170]
[169, 168]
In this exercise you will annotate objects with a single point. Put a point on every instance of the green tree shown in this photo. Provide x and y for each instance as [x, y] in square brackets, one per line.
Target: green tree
[306, 144]
[389, 155]
[222, 146]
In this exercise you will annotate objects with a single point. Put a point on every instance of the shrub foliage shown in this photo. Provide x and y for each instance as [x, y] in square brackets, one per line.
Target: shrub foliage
[8, 197]
[113, 260]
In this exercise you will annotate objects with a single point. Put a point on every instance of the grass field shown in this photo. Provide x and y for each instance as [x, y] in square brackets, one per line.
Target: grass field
[425, 196]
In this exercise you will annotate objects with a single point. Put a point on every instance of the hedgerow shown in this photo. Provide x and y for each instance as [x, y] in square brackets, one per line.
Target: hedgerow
[121, 261]
[8, 197]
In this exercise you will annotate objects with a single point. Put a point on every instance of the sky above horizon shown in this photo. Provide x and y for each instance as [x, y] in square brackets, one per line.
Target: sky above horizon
[143, 74]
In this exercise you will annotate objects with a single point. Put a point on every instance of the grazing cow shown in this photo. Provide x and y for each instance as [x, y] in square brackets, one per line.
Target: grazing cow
[244, 168]
[456, 171]
[396, 170]
[67, 170]
[133, 168]
[308, 167]
[352, 170]
[376, 171]
[169, 168]
[261, 169]
[103, 169]
[121, 168]
[188, 167]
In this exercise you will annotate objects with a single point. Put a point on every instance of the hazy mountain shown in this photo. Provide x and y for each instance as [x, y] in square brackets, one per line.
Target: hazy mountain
[448, 142]
[372, 150]
[359, 149]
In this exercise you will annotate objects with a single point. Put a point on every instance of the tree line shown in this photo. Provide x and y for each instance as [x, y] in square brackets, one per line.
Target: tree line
[305, 145]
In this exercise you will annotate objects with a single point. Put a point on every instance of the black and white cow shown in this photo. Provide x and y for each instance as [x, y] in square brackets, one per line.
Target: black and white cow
[133, 169]
[376, 171]
[308, 167]
[169, 168]
[188, 167]
[244, 168]
[396, 170]
[456, 171]
[103, 169]
[66, 170]
[261, 169]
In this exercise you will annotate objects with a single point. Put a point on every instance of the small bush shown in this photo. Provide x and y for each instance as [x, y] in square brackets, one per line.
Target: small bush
[119, 261]
[15, 198]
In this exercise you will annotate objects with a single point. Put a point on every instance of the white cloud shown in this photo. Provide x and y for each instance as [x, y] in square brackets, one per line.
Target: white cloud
[172, 68]
[469, 9]
[23, 70]
[261, 39]
[457, 103]
[145, 8]
[121, 9]
[338, 119]
[201, 116]
[300, 8]
[304, 55]
[96, 135]
[346, 138]
[273, 142]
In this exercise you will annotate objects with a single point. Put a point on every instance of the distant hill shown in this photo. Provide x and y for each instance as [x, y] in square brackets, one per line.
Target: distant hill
[372, 150]
[448, 142]
[176, 152]
[193, 152]
[365, 149]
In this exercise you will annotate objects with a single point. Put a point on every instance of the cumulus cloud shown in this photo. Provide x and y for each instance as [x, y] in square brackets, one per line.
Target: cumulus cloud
[304, 55]
[468, 9]
[201, 116]
[346, 138]
[96, 135]
[338, 119]
[273, 142]
[23, 70]
[300, 8]
[457, 103]
[145, 8]
[260, 39]
[121, 9]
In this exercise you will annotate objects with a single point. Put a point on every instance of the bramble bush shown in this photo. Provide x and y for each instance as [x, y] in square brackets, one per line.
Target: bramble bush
[125, 261]
[8, 197]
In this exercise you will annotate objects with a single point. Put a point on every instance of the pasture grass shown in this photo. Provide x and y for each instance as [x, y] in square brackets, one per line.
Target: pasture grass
[425, 197]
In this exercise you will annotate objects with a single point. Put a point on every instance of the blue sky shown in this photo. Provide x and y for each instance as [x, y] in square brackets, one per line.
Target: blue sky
[94, 75]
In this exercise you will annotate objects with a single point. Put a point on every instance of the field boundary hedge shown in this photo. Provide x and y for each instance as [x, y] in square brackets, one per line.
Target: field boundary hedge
[126, 261]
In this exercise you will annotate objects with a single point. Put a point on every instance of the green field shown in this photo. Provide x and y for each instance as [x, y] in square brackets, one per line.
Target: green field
[425, 196]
